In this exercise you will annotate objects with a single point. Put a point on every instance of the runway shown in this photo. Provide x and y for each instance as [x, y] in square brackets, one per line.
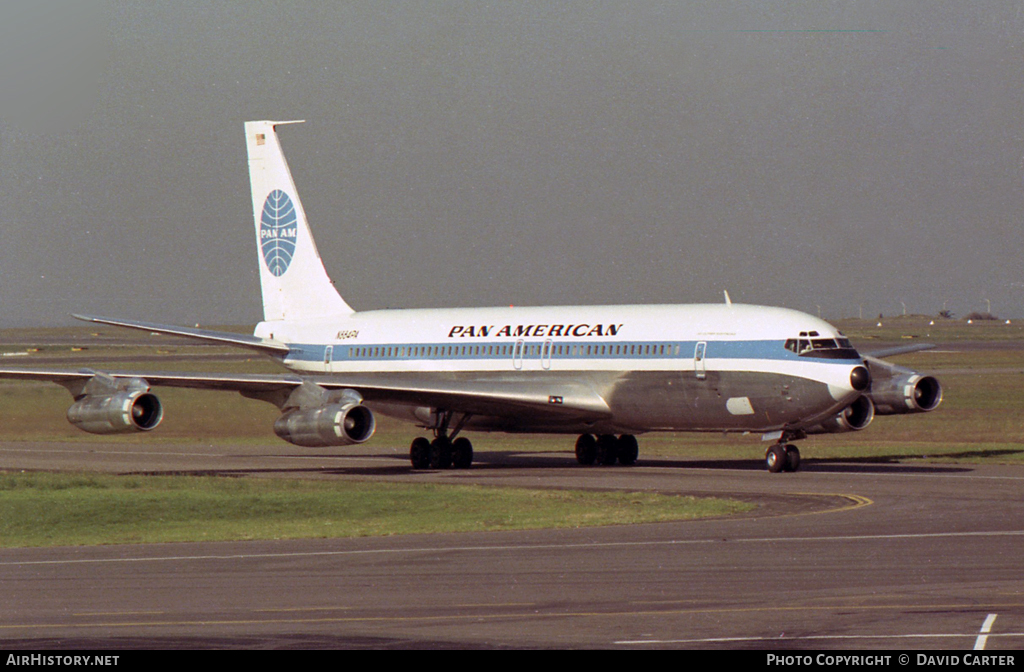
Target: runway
[841, 555]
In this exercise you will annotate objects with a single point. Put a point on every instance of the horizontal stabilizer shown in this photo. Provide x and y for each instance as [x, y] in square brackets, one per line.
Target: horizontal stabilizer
[266, 345]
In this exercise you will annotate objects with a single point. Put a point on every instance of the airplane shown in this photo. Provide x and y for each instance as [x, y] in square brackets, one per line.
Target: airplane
[603, 373]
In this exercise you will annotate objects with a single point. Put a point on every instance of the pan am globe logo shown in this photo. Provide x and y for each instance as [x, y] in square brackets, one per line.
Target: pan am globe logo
[278, 231]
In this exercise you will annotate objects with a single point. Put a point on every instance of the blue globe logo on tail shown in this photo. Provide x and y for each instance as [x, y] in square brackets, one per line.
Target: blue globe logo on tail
[278, 231]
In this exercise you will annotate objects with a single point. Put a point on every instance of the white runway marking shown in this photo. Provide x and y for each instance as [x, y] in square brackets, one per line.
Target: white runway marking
[986, 628]
[728, 640]
[979, 644]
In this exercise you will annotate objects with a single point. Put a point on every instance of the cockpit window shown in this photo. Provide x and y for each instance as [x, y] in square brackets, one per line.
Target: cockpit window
[811, 345]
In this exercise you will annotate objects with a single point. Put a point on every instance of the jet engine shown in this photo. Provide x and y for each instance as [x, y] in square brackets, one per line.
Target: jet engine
[853, 418]
[896, 390]
[331, 425]
[130, 411]
[909, 393]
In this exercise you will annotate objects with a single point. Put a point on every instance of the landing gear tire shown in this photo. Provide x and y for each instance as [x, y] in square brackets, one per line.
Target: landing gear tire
[607, 449]
[419, 453]
[586, 449]
[462, 453]
[440, 453]
[792, 458]
[775, 458]
[629, 450]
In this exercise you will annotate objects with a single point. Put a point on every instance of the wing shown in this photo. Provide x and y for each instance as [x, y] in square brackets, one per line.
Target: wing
[558, 400]
[107, 397]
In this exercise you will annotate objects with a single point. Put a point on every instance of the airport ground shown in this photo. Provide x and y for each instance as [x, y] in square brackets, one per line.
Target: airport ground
[905, 536]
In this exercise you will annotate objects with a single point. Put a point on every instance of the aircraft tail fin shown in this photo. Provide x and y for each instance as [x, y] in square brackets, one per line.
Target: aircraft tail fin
[294, 281]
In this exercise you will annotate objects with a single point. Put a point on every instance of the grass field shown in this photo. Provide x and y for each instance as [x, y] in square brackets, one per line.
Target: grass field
[930, 329]
[40, 509]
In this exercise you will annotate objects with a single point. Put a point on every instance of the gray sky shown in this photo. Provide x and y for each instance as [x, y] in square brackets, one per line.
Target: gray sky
[849, 155]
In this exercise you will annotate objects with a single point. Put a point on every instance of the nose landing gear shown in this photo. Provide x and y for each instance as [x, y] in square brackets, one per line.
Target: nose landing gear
[782, 457]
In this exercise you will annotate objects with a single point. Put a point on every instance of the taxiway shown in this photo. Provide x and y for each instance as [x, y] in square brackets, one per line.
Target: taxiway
[839, 555]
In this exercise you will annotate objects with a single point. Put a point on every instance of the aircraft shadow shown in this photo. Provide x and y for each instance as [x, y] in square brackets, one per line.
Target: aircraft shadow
[495, 460]
[876, 464]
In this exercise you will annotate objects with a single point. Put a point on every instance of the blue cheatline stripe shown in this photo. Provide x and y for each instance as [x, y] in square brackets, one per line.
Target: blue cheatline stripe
[563, 351]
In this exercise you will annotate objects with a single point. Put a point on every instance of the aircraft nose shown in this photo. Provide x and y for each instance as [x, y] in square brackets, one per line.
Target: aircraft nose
[860, 378]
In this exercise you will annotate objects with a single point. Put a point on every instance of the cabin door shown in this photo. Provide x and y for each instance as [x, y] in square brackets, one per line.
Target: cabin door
[699, 356]
[517, 354]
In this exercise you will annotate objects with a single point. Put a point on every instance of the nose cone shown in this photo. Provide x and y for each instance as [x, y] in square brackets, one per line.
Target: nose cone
[860, 379]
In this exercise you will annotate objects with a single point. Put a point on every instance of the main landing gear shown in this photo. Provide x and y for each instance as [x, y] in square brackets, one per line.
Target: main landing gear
[607, 449]
[445, 451]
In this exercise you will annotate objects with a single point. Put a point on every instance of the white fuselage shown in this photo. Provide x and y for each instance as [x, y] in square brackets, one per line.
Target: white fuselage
[709, 367]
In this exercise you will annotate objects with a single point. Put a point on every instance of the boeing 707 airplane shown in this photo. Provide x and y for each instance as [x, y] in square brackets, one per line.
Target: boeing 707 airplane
[604, 373]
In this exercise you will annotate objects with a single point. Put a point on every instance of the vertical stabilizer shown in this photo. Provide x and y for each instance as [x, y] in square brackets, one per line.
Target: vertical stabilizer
[294, 282]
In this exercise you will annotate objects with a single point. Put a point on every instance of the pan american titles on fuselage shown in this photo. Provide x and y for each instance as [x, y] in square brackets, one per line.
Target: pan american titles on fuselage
[534, 330]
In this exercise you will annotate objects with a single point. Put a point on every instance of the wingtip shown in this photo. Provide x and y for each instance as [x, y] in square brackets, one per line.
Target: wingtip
[899, 350]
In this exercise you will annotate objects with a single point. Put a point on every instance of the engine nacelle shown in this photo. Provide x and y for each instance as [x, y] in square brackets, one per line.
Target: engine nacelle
[907, 393]
[331, 425]
[853, 418]
[132, 411]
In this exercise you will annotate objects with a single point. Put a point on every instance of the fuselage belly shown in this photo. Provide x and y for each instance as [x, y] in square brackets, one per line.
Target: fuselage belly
[639, 401]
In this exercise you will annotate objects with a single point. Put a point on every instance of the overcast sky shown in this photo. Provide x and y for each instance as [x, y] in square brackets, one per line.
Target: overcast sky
[837, 156]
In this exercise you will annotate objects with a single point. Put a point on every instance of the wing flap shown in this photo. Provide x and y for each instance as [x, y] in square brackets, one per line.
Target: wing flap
[557, 399]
